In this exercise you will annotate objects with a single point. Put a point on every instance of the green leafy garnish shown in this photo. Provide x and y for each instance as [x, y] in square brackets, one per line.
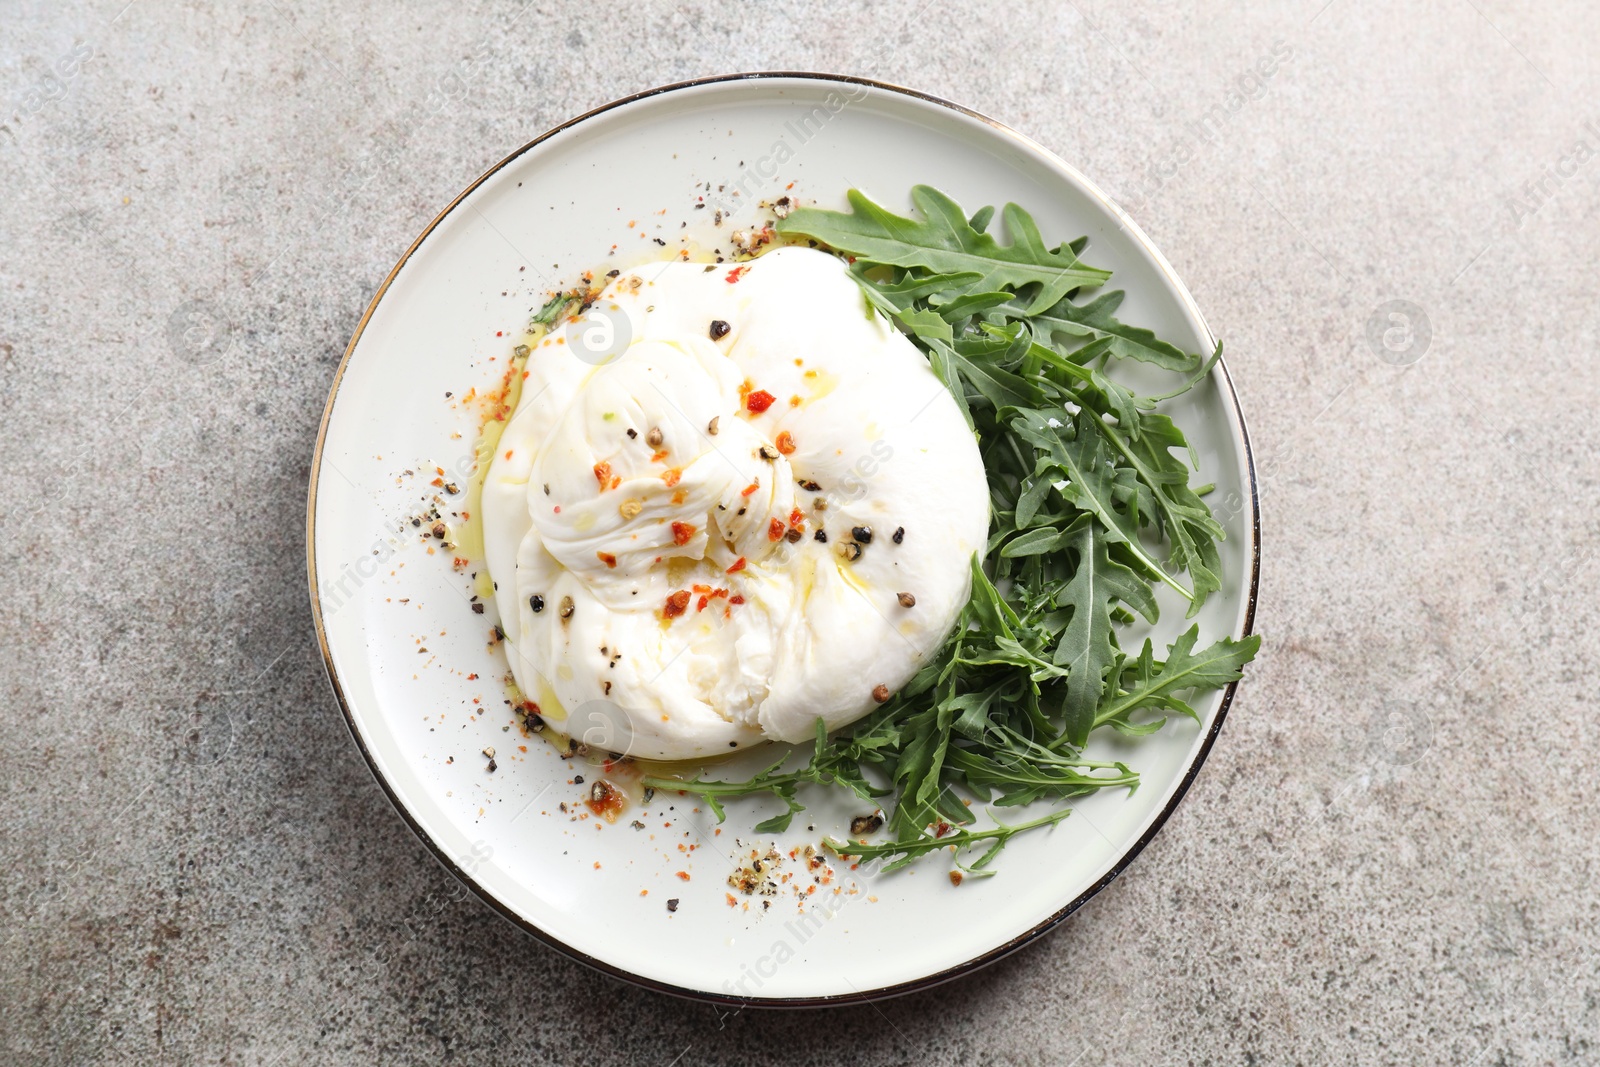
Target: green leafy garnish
[954, 838]
[1092, 509]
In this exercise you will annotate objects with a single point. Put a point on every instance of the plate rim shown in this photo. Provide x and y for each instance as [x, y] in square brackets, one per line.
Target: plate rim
[898, 989]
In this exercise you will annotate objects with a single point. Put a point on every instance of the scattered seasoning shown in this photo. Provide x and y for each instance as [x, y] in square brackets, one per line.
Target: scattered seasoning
[767, 452]
[492, 767]
[630, 509]
[794, 536]
[738, 565]
[880, 693]
[747, 490]
[711, 428]
[452, 488]
[606, 800]
[536, 602]
[654, 437]
[821, 535]
[677, 604]
[862, 534]
[489, 751]
[566, 607]
[785, 443]
[759, 401]
[607, 558]
[477, 609]
[850, 551]
[681, 533]
[632, 433]
[719, 329]
[955, 877]
[862, 825]
[672, 904]
[775, 530]
[602, 473]
[810, 486]
[899, 534]
[439, 530]
[907, 600]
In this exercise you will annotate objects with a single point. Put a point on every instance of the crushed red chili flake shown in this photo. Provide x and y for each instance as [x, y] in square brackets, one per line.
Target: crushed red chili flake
[677, 604]
[681, 533]
[602, 473]
[941, 829]
[607, 558]
[671, 476]
[736, 600]
[701, 604]
[738, 565]
[775, 530]
[752, 487]
[736, 273]
[785, 443]
[759, 401]
[797, 518]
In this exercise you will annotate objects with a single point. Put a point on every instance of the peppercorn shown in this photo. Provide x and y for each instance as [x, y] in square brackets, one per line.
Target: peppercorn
[863, 534]
[821, 535]
[793, 536]
[880, 693]
[719, 329]
[810, 486]
[654, 437]
[907, 600]
[767, 452]
[536, 602]
[566, 607]
[899, 534]
[439, 530]
[711, 428]
[862, 825]
[850, 551]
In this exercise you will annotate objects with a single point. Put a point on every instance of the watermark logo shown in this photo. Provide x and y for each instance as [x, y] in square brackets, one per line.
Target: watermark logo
[1399, 332]
[600, 335]
[1400, 734]
[198, 333]
[602, 730]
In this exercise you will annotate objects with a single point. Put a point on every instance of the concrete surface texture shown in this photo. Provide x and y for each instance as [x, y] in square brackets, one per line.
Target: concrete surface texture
[1390, 857]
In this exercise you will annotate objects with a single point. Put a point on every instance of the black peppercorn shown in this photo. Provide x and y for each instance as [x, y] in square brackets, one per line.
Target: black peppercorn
[899, 534]
[821, 535]
[536, 602]
[719, 329]
[862, 534]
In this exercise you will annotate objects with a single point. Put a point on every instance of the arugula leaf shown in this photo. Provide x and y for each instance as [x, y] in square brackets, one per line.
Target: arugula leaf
[954, 839]
[1095, 321]
[946, 243]
[1150, 685]
[1088, 645]
[1089, 488]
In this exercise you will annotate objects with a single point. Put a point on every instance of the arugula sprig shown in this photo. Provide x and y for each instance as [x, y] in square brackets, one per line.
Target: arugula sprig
[1092, 508]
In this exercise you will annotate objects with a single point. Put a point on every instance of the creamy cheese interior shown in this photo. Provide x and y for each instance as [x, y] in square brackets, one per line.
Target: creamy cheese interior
[703, 541]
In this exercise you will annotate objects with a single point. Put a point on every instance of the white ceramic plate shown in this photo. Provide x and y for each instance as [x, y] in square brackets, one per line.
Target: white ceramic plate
[598, 892]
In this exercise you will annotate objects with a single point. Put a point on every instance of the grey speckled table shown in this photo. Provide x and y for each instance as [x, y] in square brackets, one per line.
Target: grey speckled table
[1390, 858]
